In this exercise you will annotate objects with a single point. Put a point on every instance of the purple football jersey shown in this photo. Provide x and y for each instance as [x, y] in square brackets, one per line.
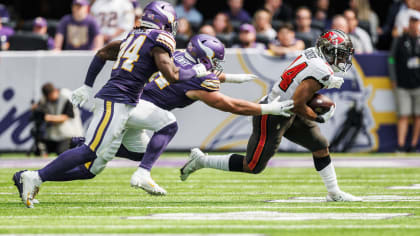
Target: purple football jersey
[169, 96]
[78, 35]
[135, 65]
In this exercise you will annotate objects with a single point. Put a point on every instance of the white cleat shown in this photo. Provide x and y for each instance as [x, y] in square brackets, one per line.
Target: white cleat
[142, 179]
[30, 186]
[195, 163]
[341, 196]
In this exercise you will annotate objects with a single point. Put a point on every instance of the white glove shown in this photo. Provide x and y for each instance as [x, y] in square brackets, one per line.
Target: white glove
[81, 95]
[334, 82]
[200, 70]
[277, 108]
[239, 78]
[326, 116]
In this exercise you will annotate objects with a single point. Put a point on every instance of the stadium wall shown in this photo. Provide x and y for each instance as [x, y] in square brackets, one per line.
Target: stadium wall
[367, 88]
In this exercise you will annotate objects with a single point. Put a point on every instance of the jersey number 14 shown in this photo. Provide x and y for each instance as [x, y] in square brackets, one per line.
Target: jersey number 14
[288, 76]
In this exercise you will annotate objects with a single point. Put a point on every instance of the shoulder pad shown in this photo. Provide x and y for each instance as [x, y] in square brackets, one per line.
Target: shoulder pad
[164, 39]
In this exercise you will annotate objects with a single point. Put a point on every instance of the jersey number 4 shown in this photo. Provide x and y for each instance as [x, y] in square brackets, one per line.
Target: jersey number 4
[290, 74]
[129, 53]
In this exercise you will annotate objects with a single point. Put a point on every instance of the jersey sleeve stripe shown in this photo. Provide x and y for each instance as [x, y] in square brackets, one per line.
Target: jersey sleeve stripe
[169, 45]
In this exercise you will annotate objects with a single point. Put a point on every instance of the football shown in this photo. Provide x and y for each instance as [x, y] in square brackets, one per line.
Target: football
[320, 103]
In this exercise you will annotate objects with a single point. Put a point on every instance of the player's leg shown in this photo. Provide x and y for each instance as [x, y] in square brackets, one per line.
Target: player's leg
[307, 134]
[103, 138]
[148, 116]
[262, 144]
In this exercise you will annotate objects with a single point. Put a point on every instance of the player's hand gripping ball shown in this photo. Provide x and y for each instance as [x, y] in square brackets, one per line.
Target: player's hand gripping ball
[321, 104]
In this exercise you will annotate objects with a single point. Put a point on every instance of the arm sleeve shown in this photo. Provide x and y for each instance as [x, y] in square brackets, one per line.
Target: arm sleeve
[68, 110]
[209, 83]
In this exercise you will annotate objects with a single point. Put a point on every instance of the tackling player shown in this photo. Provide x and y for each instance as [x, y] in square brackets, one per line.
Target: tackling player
[141, 55]
[160, 96]
[311, 71]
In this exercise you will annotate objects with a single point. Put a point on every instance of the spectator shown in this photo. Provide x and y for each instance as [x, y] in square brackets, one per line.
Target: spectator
[262, 23]
[78, 30]
[321, 19]
[221, 24]
[187, 10]
[207, 29]
[40, 27]
[5, 33]
[138, 12]
[286, 42]
[61, 118]
[304, 31]
[411, 8]
[279, 10]
[4, 14]
[339, 22]
[248, 37]
[115, 18]
[184, 28]
[357, 33]
[237, 13]
[366, 16]
[404, 66]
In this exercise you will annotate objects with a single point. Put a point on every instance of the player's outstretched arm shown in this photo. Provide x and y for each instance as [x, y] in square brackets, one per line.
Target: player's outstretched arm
[109, 52]
[238, 106]
[171, 72]
[304, 92]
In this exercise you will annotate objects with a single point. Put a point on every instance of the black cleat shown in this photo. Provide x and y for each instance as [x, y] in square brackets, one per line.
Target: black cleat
[76, 142]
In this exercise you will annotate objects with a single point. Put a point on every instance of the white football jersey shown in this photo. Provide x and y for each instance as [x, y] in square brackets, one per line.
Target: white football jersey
[307, 65]
[114, 14]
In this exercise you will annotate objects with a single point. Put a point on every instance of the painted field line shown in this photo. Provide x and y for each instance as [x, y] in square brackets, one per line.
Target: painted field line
[141, 234]
[413, 186]
[267, 216]
[210, 226]
[204, 207]
[371, 198]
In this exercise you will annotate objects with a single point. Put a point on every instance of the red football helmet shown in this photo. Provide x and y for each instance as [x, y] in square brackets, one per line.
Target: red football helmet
[336, 48]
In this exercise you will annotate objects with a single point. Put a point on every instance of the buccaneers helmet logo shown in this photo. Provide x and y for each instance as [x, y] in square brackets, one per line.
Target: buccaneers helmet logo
[333, 37]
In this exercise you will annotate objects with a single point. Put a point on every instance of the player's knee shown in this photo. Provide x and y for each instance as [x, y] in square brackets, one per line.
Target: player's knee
[170, 129]
[321, 153]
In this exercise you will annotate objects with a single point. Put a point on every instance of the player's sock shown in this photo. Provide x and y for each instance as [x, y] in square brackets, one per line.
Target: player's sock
[157, 145]
[229, 162]
[78, 172]
[66, 161]
[125, 153]
[326, 170]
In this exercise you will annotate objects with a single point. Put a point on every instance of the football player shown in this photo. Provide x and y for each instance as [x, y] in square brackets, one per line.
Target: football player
[311, 71]
[154, 43]
[160, 96]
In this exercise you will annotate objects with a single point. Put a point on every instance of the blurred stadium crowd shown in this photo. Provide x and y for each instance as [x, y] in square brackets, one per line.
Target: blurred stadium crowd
[273, 25]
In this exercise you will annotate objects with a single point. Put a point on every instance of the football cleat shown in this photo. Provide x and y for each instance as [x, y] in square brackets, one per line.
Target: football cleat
[341, 196]
[18, 183]
[195, 163]
[30, 181]
[142, 179]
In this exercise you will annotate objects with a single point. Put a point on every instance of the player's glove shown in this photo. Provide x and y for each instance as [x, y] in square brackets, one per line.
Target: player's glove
[277, 108]
[334, 82]
[239, 78]
[200, 70]
[326, 116]
[81, 95]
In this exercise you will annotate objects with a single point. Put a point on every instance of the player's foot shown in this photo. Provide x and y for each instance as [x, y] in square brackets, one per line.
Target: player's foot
[76, 141]
[18, 183]
[341, 196]
[194, 163]
[31, 182]
[142, 179]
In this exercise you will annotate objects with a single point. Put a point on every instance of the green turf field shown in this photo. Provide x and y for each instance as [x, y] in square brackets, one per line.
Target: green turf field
[107, 204]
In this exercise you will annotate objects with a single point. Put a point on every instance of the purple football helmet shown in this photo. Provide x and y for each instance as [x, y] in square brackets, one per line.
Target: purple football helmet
[159, 15]
[207, 50]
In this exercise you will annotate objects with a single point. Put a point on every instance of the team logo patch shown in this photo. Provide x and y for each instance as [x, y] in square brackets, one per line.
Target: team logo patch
[333, 38]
